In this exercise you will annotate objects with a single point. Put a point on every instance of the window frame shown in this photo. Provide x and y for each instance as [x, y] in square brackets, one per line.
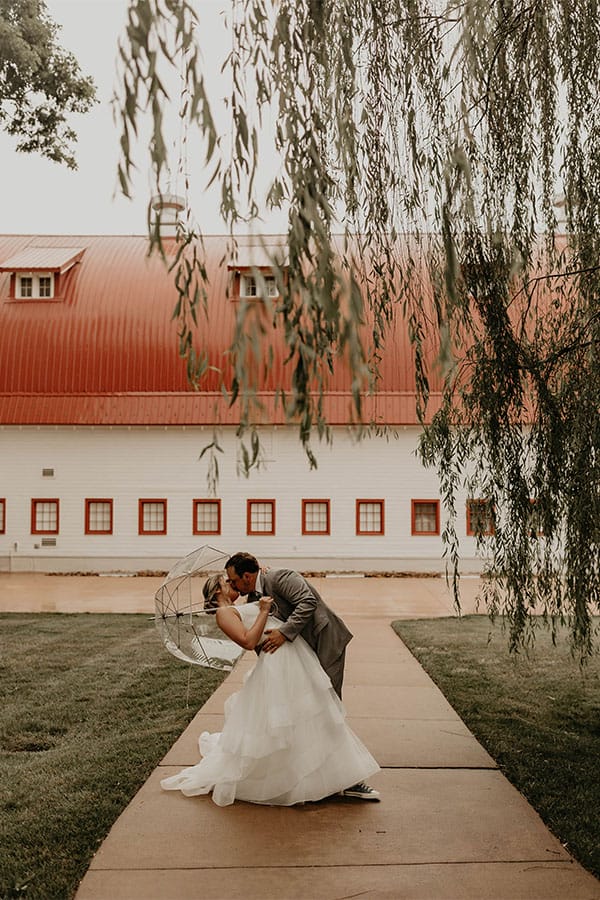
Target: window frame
[3, 508]
[381, 504]
[88, 503]
[249, 275]
[266, 500]
[480, 501]
[50, 281]
[20, 284]
[327, 503]
[34, 502]
[35, 277]
[141, 502]
[245, 278]
[203, 501]
[413, 509]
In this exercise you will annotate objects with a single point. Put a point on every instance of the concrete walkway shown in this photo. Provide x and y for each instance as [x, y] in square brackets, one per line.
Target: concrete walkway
[449, 827]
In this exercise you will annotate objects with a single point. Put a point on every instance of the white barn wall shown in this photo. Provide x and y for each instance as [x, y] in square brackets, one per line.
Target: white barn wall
[127, 464]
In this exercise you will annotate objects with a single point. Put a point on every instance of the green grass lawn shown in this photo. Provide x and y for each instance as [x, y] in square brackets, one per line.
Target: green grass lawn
[89, 706]
[537, 714]
[91, 703]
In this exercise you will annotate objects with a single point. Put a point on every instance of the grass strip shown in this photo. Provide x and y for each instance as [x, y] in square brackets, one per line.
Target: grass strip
[536, 713]
[89, 706]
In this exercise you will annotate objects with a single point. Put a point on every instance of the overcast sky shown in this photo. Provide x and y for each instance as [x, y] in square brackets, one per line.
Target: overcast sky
[41, 197]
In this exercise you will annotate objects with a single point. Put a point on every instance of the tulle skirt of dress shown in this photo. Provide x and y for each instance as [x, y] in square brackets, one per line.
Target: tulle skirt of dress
[285, 739]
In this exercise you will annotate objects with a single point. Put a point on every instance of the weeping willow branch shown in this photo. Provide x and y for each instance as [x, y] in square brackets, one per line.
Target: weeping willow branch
[419, 148]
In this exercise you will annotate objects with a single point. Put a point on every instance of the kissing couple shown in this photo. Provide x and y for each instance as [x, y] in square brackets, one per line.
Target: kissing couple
[285, 739]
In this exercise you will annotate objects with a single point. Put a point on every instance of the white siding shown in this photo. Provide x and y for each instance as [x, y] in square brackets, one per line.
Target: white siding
[127, 464]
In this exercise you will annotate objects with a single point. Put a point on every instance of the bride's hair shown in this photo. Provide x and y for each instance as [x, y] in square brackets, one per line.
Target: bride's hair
[210, 590]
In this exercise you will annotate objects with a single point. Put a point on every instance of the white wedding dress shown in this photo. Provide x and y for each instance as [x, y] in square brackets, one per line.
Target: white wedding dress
[285, 739]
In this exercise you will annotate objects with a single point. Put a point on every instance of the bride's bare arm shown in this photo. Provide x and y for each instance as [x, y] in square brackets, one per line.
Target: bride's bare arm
[229, 621]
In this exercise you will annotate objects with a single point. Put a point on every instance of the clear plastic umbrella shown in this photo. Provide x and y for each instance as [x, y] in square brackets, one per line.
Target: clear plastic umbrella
[187, 631]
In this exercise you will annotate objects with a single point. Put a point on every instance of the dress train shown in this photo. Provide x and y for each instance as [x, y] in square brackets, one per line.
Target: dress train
[285, 739]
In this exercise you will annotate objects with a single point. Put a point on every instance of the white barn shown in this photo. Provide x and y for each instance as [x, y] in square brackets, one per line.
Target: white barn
[101, 435]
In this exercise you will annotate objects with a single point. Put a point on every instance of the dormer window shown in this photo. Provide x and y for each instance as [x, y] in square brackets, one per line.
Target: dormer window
[35, 285]
[251, 286]
[253, 268]
[37, 272]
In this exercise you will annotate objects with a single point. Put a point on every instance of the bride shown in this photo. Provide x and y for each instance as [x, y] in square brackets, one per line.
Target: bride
[285, 739]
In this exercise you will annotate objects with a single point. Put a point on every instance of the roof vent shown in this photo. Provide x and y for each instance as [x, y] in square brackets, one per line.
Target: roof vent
[167, 208]
[48, 473]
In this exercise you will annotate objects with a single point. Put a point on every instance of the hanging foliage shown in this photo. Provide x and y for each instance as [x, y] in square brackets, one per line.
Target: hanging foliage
[421, 148]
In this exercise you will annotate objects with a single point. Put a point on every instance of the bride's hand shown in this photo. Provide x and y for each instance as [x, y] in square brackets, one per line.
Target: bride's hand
[265, 604]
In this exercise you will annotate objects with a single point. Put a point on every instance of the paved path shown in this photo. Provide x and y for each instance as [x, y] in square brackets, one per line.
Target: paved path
[449, 827]
[407, 598]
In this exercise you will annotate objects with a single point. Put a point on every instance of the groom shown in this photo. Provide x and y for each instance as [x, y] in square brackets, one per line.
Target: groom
[302, 612]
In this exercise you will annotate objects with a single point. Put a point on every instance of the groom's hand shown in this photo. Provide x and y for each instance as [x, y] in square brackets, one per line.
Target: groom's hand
[274, 639]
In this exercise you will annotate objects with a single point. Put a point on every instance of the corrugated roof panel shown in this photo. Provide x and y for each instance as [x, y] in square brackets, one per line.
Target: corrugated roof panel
[108, 352]
[186, 409]
[259, 255]
[47, 259]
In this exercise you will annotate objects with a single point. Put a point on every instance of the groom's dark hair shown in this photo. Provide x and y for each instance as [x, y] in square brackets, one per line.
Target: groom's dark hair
[242, 563]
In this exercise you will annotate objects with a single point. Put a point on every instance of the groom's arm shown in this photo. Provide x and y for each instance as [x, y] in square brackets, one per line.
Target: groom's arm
[293, 588]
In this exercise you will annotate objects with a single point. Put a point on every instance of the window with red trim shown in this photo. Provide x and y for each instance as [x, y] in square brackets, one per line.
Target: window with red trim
[207, 517]
[260, 517]
[2, 516]
[98, 516]
[370, 517]
[480, 517]
[425, 518]
[152, 515]
[44, 516]
[316, 517]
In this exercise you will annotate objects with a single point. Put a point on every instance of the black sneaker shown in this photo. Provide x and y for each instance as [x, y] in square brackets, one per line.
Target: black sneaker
[361, 791]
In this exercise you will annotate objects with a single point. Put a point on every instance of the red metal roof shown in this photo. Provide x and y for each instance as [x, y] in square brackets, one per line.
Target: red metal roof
[108, 352]
[185, 409]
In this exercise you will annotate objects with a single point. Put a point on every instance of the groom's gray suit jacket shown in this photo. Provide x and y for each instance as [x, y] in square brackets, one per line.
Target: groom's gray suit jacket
[303, 612]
